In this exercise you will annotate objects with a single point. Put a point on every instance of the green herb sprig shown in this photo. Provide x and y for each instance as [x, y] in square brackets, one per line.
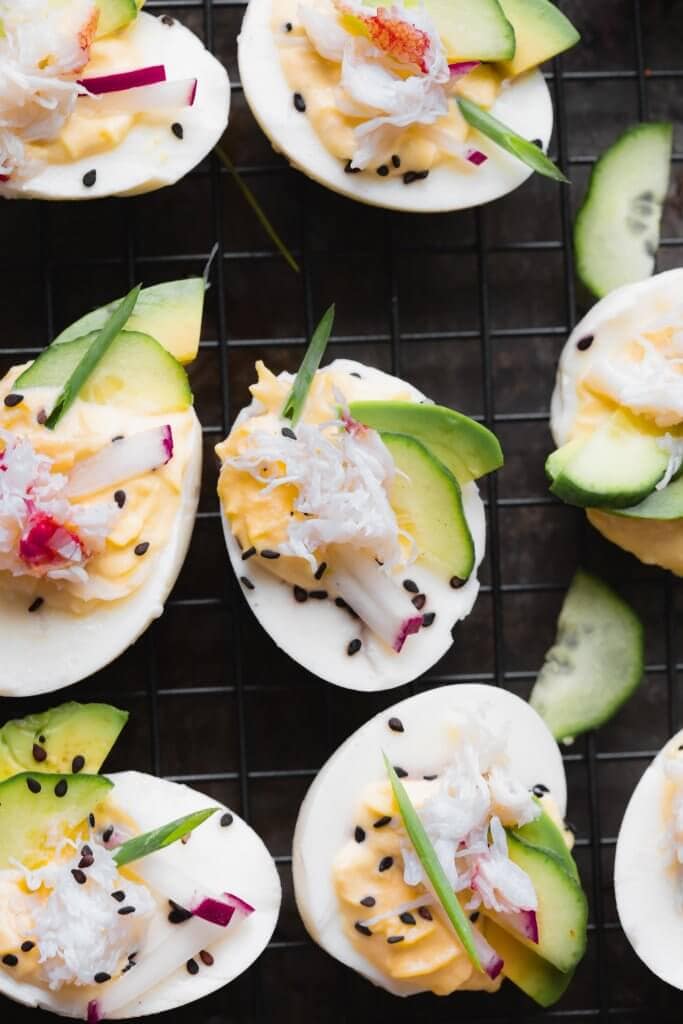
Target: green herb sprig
[526, 151]
[296, 400]
[158, 838]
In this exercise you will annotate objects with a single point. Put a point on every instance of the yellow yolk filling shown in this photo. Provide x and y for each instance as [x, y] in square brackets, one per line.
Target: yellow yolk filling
[316, 79]
[152, 500]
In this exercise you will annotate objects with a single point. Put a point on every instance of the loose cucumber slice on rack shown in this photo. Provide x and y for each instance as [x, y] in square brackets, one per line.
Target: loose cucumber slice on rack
[595, 663]
[616, 234]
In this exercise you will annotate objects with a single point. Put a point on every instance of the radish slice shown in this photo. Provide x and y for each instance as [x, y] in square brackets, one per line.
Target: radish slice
[121, 460]
[160, 96]
[213, 907]
[524, 921]
[491, 963]
[374, 596]
[462, 68]
[99, 84]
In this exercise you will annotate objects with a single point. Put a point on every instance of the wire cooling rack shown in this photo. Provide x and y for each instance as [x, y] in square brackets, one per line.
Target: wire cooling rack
[473, 308]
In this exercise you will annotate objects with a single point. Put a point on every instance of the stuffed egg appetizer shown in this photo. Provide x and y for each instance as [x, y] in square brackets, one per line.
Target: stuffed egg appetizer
[648, 873]
[100, 916]
[444, 865]
[369, 99]
[100, 466]
[617, 418]
[98, 98]
[352, 518]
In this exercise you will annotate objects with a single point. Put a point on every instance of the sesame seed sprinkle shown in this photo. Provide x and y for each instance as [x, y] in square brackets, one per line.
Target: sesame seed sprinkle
[124, 911]
[300, 595]
[142, 548]
[39, 753]
[359, 834]
[362, 928]
[381, 822]
[13, 399]
[419, 601]
[393, 939]
[348, 169]
[383, 170]
[89, 178]
[101, 977]
[299, 102]
[582, 344]
[10, 960]
[206, 958]
[396, 160]
[320, 571]
[407, 918]
[249, 553]
[226, 819]
[35, 605]
[61, 788]
[120, 498]
[354, 647]
[288, 432]
[177, 129]
[107, 834]
[411, 586]
[78, 764]
[539, 789]
[385, 863]
[425, 913]
[119, 895]
[318, 595]
[79, 876]
[27, 946]
[246, 582]
[268, 553]
[91, 819]
[178, 915]
[456, 582]
[368, 901]
[41, 417]
[192, 967]
[401, 772]
[34, 785]
[428, 619]
[395, 724]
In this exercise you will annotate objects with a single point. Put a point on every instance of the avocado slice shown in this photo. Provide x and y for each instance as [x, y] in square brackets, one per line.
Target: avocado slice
[72, 737]
[664, 504]
[426, 499]
[114, 14]
[472, 29]
[33, 805]
[464, 446]
[562, 912]
[170, 312]
[544, 833]
[616, 467]
[136, 372]
[534, 976]
[541, 32]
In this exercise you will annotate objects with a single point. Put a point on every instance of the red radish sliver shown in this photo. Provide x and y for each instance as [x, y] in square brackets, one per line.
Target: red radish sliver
[491, 963]
[122, 460]
[145, 98]
[524, 921]
[462, 68]
[476, 157]
[214, 911]
[99, 84]
[240, 905]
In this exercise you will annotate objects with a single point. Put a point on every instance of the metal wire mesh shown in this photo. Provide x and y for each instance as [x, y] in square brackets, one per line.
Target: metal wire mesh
[473, 308]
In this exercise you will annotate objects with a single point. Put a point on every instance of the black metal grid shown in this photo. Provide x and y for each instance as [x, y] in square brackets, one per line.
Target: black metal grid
[474, 308]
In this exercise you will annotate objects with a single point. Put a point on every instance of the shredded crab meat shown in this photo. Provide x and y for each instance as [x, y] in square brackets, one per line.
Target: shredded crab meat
[464, 818]
[42, 534]
[41, 47]
[342, 480]
[78, 929]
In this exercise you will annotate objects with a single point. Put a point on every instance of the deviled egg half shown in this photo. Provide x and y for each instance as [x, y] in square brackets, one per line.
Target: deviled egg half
[648, 872]
[101, 917]
[485, 780]
[356, 530]
[423, 106]
[97, 509]
[98, 98]
[617, 418]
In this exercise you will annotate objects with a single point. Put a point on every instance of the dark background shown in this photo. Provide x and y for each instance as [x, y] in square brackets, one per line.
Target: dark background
[473, 308]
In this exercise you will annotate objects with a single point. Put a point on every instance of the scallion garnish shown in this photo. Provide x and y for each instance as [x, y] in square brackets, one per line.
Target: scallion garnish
[296, 400]
[158, 838]
[115, 323]
[432, 867]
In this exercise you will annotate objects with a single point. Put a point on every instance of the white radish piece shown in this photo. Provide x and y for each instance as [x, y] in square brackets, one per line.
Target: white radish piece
[122, 460]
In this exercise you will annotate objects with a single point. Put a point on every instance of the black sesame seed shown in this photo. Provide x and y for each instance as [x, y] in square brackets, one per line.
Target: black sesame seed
[41, 739]
[288, 26]
[86, 861]
[425, 913]
[10, 960]
[385, 863]
[410, 176]
[396, 160]
[35, 605]
[117, 437]
[362, 928]
[34, 785]
[419, 601]
[27, 946]
[359, 834]
[456, 582]
[401, 772]
[177, 129]
[428, 619]
[341, 603]
[78, 764]
[89, 178]
[267, 553]
[91, 819]
[61, 788]
[249, 553]
[128, 966]
[393, 939]
[206, 958]
[585, 342]
[299, 102]
[226, 819]
[411, 586]
[166, 19]
[537, 142]
[119, 895]
[178, 915]
[79, 876]
[429, 778]
[142, 548]
[12, 400]
[354, 647]
[407, 917]
[41, 417]
[381, 822]
[39, 753]
[474, 917]
[288, 432]
[192, 967]
[539, 789]
[120, 498]
[246, 582]
[101, 977]
[86, 851]
[320, 571]
[318, 595]
[348, 169]
[681, 747]
[383, 171]
[107, 834]
[300, 594]
[124, 911]
[395, 724]
[368, 901]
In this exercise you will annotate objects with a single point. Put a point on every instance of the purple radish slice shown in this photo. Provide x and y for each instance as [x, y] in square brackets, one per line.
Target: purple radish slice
[491, 963]
[98, 84]
[158, 96]
[461, 68]
[380, 602]
[523, 921]
[122, 460]
[220, 911]
[213, 907]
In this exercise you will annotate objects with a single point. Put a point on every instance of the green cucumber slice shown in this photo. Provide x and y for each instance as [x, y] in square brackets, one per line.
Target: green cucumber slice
[616, 234]
[595, 663]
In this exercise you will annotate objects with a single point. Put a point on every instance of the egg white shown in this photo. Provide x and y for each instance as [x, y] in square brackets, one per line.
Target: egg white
[51, 648]
[619, 314]
[524, 106]
[150, 156]
[317, 633]
[648, 902]
[326, 820]
[233, 858]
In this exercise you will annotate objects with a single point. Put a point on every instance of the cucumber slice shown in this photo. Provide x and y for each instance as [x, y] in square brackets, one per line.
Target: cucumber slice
[616, 467]
[544, 834]
[616, 234]
[664, 504]
[527, 970]
[595, 663]
[427, 501]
